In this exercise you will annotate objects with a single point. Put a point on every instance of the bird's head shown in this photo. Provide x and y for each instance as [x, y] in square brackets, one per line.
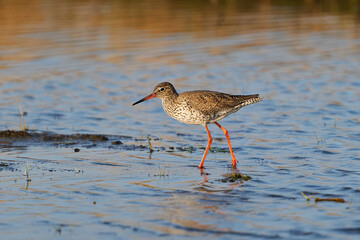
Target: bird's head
[162, 90]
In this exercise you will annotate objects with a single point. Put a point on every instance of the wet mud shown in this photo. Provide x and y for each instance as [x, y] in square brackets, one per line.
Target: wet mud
[13, 138]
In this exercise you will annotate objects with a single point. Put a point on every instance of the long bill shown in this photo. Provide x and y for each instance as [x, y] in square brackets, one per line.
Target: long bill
[145, 98]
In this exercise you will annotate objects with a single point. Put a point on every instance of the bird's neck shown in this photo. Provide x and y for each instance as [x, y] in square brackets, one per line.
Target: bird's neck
[169, 99]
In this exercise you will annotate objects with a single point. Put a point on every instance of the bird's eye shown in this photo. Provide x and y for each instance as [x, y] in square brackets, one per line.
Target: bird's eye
[162, 89]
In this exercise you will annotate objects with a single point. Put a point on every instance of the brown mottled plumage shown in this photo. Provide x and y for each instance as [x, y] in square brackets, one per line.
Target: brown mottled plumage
[200, 107]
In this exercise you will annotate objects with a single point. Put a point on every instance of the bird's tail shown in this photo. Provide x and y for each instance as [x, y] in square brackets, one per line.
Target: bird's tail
[249, 99]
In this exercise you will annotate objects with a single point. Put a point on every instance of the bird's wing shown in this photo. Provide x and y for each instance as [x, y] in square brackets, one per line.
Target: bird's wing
[210, 101]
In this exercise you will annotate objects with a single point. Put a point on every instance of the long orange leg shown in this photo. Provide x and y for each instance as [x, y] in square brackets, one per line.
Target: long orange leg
[233, 159]
[207, 147]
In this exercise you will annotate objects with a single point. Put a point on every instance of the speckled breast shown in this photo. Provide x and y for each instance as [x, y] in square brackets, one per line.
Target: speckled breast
[185, 113]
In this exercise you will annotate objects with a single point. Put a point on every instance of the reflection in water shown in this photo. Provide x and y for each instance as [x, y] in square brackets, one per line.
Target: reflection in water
[130, 32]
[76, 67]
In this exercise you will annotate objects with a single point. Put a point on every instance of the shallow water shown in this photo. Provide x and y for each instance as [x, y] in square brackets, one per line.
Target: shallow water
[77, 66]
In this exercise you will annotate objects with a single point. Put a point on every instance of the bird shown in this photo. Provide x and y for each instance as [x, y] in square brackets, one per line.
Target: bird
[200, 107]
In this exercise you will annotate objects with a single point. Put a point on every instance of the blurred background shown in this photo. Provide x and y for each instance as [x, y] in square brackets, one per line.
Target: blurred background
[78, 65]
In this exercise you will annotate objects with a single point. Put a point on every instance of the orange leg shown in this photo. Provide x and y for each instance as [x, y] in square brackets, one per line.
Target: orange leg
[233, 163]
[207, 147]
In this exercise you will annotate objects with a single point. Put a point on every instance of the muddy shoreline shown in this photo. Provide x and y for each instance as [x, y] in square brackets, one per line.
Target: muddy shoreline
[15, 138]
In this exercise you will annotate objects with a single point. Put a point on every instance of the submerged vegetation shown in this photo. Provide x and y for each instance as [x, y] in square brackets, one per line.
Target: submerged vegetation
[317, 199]
[22, 123]
[234, 177]
[27, 172]
[150, 147]
[162, 173]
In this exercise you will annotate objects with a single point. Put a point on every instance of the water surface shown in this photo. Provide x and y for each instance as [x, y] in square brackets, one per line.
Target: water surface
[77, 66]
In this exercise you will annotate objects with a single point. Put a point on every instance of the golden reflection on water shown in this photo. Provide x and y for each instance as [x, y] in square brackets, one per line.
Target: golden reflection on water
[115, 21]
[134, 34]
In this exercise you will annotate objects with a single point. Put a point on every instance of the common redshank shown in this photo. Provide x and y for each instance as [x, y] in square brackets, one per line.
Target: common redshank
[200, 107]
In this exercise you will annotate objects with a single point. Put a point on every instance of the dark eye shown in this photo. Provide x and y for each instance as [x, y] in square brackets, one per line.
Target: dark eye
[162, 89]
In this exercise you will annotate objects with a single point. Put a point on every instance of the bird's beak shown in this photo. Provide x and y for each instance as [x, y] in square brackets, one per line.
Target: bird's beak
[145, 98]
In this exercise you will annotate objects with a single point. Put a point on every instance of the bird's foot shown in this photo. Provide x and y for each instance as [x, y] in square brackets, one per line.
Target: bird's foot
[233, 162]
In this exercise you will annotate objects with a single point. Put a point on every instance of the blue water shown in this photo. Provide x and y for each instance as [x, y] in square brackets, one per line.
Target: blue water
[76, 67]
